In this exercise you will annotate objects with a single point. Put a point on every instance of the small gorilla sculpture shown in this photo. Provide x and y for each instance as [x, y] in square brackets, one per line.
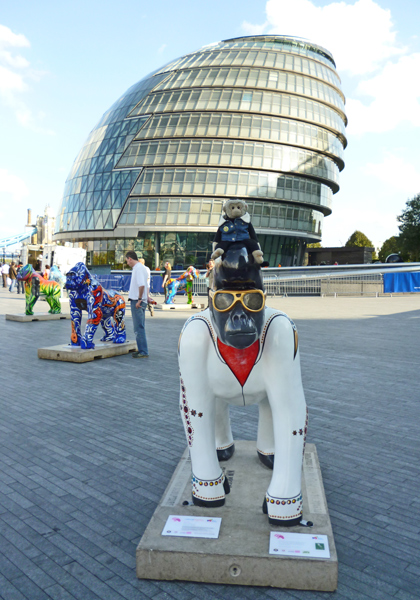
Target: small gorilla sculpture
[85, 293]
[245, 353]
[56, 275]
[36, 286]
[184, 281]
[236, 226]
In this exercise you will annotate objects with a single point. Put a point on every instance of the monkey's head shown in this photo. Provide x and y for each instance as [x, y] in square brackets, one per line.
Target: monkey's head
[237, 299]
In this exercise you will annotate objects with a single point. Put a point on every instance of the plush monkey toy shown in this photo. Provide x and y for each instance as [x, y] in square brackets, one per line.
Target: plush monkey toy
[236, 227]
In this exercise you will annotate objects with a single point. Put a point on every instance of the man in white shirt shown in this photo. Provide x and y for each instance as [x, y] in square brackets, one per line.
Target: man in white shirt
[5, 273]
[149, 306]
[137, 295]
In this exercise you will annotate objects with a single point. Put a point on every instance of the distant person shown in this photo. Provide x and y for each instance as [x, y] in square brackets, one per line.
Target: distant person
[20, 282]
[210, 273]
[149, 306]
[166, 277]
[5, 274]
[209, 276]
[12, 275]
[137, 295]
[46, 273]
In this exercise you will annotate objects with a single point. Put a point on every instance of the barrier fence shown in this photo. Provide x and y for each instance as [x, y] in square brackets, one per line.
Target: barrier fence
[367, 284]
[278, 283]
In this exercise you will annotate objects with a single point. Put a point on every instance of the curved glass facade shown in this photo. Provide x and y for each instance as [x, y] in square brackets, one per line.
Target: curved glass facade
[260, 118]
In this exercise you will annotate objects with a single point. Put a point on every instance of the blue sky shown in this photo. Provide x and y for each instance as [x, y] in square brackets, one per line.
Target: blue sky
[62, 65]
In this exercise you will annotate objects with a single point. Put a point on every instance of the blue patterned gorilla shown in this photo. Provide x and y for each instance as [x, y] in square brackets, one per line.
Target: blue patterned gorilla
[104, 307]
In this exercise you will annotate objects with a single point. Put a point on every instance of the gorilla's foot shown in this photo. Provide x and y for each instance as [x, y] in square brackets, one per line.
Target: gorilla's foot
[266, 459]
[210, 492]
[286, 512]
[225, 453]
[120, 339]
[107, 338]
[86, 345]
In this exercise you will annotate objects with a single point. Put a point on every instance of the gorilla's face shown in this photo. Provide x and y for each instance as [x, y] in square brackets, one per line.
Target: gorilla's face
[237, 316]
[25, 273]
[77, 276]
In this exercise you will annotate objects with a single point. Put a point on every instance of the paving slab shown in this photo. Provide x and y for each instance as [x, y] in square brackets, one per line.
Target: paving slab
[67, 353]
[22, 318]
[87, 451]
[240, 555]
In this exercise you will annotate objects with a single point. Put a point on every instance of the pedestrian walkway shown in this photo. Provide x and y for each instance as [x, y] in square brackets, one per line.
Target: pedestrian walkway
[86, 451]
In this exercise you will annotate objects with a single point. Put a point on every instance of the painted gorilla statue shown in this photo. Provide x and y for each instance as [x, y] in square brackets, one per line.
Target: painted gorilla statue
[36, 286]
[246, 353]
[103, 307]
[184, 282]
[56, 275]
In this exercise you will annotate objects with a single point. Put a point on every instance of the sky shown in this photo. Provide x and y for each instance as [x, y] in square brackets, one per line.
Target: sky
[62, 65]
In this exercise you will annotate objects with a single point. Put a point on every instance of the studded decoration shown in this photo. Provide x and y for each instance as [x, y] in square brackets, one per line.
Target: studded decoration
[185, 411]
[211, 483]
[295, 502]
[305, 430]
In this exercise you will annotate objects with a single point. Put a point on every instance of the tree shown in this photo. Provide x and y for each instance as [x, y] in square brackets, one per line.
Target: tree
[361, 240]
[410, 229]
[315, 245]
[390, 246]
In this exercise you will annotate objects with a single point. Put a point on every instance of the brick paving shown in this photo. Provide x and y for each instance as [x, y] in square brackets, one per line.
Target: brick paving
[86, 451]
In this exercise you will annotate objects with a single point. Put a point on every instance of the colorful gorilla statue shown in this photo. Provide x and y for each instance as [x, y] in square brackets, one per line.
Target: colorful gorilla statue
[103, 307]
[56, 275]
[36, 286]
[184, 281]
[245, 353]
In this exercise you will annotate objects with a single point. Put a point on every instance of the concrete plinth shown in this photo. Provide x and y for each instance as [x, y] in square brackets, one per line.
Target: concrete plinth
[22, 318]
[179, 306]
[68, 353]
[240, 555]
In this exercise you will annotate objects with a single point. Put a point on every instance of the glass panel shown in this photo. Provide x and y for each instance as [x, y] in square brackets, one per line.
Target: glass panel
[237, 154]
[256, 78]
[264, 101]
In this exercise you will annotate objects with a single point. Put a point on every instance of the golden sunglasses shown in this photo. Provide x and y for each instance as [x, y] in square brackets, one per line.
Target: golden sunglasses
[224, 300]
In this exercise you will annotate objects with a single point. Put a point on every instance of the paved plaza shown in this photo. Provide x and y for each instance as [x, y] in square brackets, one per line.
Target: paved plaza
[86, 451]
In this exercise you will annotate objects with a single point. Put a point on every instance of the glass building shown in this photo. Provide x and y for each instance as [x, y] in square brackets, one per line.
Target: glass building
[260, 118]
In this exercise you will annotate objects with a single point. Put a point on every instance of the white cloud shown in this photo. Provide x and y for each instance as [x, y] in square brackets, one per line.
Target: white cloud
[15, 73]
[13, 185]
[396, 98]
[8, 38]
[395, 172]
[387, 90]
[359, 35]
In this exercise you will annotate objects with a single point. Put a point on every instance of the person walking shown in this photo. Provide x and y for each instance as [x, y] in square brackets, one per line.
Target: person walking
[5, 274]
[12, 275]
[20, 282]
[166, 277]
[149, 306]
[209, 277]
[137, 295]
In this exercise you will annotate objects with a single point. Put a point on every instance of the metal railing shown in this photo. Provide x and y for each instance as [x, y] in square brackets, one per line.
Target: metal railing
[299, 281]
[327, 285]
